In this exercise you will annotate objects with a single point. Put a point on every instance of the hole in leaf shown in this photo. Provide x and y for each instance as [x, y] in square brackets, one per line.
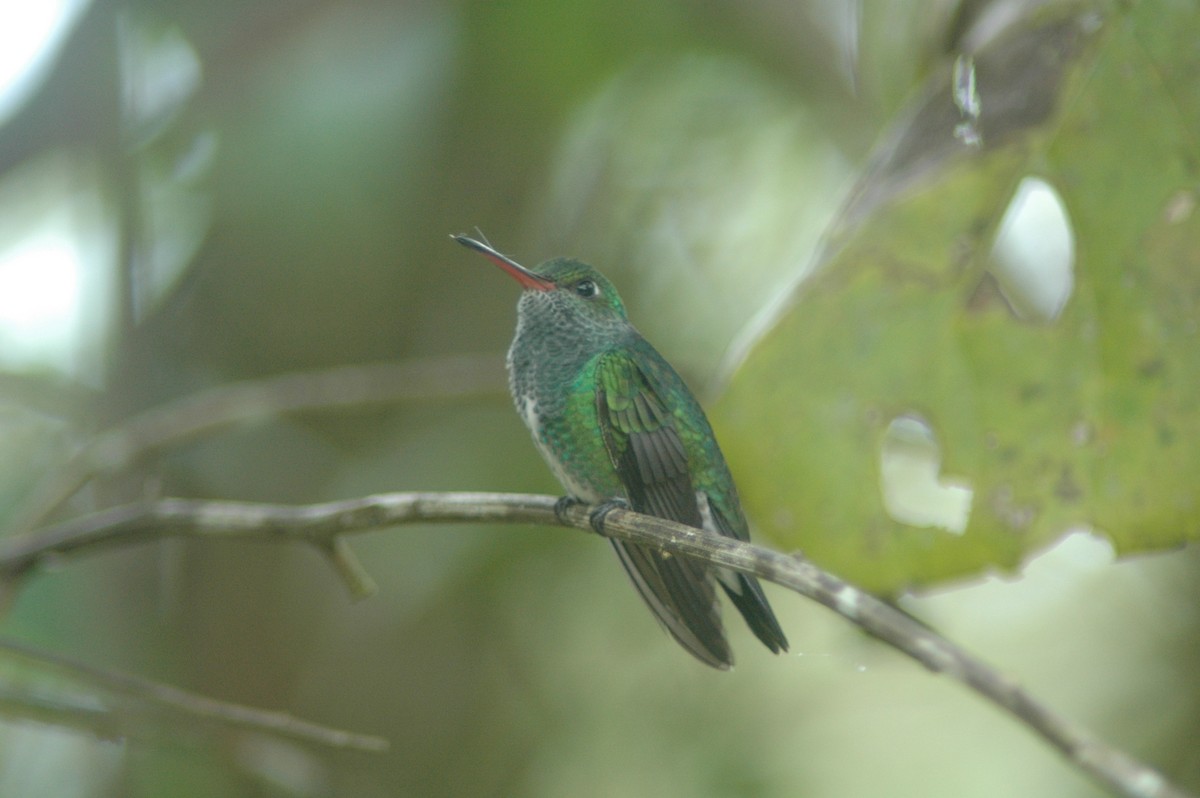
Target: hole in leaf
[914, 492]
[1033, 257]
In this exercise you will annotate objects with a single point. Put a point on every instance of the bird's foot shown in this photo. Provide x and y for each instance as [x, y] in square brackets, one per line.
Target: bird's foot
[562, 505]
[596, 519]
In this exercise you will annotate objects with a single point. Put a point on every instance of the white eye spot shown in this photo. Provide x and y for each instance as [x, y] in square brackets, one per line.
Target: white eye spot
[586, 289]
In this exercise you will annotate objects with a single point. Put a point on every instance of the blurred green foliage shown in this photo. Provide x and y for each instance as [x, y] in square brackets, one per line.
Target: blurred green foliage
[1084, 420]
[268, 187]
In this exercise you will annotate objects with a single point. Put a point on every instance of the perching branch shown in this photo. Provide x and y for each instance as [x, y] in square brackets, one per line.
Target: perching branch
[322, 525]
[136, 698]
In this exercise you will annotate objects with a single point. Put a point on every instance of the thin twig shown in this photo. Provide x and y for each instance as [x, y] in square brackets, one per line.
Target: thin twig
[186, 419]
[322, 524]
[95, 717]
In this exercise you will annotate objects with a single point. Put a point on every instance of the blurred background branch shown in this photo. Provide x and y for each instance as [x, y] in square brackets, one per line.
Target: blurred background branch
[256, 401]
[113, 705]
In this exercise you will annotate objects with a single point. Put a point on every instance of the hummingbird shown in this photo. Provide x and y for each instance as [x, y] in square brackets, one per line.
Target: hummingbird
[618, 426]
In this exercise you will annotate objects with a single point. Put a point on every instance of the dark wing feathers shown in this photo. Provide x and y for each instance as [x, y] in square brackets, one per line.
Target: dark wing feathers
[651, 462]
[668, 586]
[645, 447]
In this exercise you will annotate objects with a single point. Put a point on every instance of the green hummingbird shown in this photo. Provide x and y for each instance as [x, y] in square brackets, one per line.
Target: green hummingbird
[616, 423]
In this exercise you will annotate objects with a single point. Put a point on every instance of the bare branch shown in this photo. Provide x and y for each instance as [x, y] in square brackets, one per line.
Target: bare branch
[323, 524]
[88, 714]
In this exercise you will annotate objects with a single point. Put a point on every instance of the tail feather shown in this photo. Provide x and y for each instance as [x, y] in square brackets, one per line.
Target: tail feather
[747, 595]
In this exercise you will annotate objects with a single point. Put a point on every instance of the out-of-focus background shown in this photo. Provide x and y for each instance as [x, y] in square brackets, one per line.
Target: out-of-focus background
[933, 265]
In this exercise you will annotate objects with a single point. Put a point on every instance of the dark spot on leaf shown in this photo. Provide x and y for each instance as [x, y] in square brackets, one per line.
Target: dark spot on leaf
[988, 297]
[1150, 369]
[1031, 391]
[1066, 488]
[1016, 517]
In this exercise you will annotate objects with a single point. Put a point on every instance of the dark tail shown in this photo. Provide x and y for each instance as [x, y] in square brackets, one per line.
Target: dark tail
[747, 595]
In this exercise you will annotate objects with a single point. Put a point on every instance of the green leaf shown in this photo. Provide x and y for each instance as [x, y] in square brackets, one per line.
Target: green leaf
[1085, 418]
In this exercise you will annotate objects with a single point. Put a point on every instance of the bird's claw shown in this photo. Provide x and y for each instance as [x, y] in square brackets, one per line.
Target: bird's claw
[597, 516]
[561, 507]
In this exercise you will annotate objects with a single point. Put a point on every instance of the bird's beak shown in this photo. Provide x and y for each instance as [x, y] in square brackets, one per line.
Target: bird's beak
[527, 279]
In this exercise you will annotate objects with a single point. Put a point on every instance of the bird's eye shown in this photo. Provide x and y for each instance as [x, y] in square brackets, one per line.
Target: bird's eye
[586, 289]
